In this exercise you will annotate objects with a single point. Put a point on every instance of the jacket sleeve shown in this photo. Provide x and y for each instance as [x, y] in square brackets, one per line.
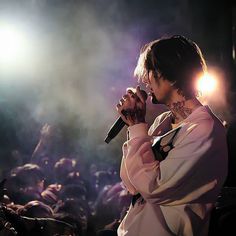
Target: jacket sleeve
[183, 176]
[137, 138]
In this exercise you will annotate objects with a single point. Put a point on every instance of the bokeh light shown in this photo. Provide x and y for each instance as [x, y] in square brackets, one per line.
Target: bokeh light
[15, 47]
[207, 83]
[13, 44]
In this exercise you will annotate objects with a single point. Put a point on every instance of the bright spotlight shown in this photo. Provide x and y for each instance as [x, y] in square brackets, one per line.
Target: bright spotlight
[13, 45]
[207, 83]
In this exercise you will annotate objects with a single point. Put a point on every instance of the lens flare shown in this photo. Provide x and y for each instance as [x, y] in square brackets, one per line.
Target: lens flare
[207, 83]
[13, 45]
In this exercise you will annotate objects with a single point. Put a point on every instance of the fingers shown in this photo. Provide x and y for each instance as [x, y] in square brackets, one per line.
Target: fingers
[133, 99]
[131, 90]
[137, 93]
[121, 101]
[131, 93]
[126, 101]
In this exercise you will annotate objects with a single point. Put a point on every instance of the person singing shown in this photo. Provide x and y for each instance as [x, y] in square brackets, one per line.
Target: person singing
[174, 194]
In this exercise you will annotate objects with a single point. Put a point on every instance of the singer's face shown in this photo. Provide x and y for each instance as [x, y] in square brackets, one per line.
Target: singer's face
[160, 88]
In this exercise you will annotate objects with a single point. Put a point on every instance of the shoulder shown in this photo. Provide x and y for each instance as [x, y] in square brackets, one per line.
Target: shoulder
[163, 120]
[203, 123]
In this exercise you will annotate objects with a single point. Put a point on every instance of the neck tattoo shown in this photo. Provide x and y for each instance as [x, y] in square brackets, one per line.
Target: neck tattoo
[180, 111]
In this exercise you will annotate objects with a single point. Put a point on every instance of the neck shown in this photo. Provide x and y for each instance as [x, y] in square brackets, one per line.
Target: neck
[181, 108]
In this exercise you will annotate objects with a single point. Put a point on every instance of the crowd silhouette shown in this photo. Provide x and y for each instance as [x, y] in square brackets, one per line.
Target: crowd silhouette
[44, 194]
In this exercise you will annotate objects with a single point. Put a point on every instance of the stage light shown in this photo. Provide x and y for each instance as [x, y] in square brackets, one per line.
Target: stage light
[14, 45]
[207, 84]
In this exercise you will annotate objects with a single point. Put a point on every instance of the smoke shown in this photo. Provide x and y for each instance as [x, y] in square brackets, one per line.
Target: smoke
[83, 60]
[86, 68]
[81, 65]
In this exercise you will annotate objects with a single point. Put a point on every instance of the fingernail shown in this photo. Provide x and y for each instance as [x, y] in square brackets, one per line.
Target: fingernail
[131, 90]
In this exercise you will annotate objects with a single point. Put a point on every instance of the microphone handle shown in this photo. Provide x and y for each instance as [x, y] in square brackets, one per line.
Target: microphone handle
[115, 129]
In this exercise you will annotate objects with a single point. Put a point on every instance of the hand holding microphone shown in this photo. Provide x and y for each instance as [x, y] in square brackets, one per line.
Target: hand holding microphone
[132, 110]
[132, 106]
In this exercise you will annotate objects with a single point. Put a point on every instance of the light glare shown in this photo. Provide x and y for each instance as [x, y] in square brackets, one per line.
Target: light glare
[207, 83]
[13, 45]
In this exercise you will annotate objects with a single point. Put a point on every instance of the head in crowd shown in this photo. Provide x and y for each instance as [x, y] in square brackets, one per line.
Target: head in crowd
[63, 167]
[74, 178]
[25, 183]
[50, 195]
[36, 209]
[29, 175]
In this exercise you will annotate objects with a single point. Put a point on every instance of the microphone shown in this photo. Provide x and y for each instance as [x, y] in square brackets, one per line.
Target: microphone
[119, 124]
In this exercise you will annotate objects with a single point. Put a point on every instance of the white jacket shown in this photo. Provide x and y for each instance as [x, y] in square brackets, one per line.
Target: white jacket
[180, 191]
